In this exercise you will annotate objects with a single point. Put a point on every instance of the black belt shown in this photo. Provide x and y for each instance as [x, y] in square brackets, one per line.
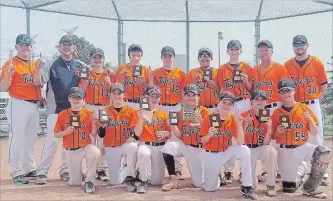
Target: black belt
[133, 101]
[73, 149]
[195, 145]
[271, 105]
[165, 104]
[308, 102]
[239, 99]
[289, 146]
[211, 106]
[212, 151]
[155, 143]
[32, 101]
[253, 145]
[95, 104]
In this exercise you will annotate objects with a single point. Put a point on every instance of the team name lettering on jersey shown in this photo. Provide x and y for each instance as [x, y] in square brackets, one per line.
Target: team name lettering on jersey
[251, 130]
[302, 81]
[131, 81]
[264, 83]
[82, 125]
[95, 83]
[163, 80]
[297, 125]
[190, 131]
[27, 78]
[223, 132]
[113, 123]
[157, 120]
[229, 84]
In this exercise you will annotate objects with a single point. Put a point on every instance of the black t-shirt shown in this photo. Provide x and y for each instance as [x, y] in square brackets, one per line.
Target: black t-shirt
[288, 109]
[235, 65]
[26, 61]
[76, 112]
[118, 109]
[301, 63]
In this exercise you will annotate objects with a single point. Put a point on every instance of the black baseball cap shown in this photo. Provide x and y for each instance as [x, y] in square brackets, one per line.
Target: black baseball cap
[227, 95]
[285, 83]
[300, 39]
[68, 38]
[266, 43]
[96, 51]
[234, 43]
[76, 91]
[134, 47]
[257, 93]
[205, 51]
[168, 50]
[117, 85]
[192, 88]
[153, 89]
[23, 39]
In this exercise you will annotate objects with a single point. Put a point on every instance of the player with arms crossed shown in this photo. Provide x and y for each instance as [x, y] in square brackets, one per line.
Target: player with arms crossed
[188, 130]
[97, 86]
[153, 133]
[258, 132]
[293, 122]
[310, 80]
[217, 132]
[134, 76]
[205, 77]
[21, 76]
[119, 138]
[77, 125]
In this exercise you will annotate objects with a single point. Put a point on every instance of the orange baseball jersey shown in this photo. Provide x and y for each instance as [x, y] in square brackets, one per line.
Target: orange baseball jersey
[171, 84]
[22, 86]
[191, 134]
[268, 79]
[80, 136]
[208, 96]
[255, 132]
[223, 139]
[98, 90]
[158, 124]
[299, 132]
[225, 79]
[133, 89]
[308, 78]
[121, 125]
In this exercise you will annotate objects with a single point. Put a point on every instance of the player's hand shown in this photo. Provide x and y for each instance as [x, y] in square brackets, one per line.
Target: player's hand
[307, 114]
[10, 70]
[130, 140]
[110, 71]
[268, 123]
[281, 129]
[198, 118]
[212, 131]
[244, 78]
[167, 122]
[162, 134]
[40, 63]
[150, 73]
[84, 83]
[104, 125]
[240, 119]
[140, 80]
[107, 79]
[145, 115]
[196, 78]
[69, 130]
[94, 118]
[211, 84]
[248, 120]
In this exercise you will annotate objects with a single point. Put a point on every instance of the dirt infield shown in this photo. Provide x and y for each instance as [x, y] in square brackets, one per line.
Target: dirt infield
[58, 190]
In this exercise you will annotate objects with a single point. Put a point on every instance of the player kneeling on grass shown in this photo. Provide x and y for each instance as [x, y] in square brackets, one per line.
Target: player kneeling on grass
[76, 126]
[292, 124]
[188, 130]
[119, 139]
[257, 128]
[153, 132]
[217, 132]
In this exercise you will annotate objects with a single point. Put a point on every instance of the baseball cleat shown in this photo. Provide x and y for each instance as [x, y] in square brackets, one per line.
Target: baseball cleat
[247, 191]
[31, 175]
[20, 180]
[262, 176]
[41, 179]
[222, 181]
[179, 175]
[228, 177]
[278, 178]
[271, 192]
[130, 186]
[64, 176]
[325, 181]
[89, 187]
[315, 194]
[101, 175]
[173, 184]
[142, 188]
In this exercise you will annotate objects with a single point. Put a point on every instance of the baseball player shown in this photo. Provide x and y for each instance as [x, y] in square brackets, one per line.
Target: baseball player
[239, 85]
[292, 123]
[310, 80]
[208, 88]
[153, 132]
[219, 150]
[134, 76]
[58, 77]
[77, 139]
[21, 76]
[171, 82]
[97, 88]
[188, 130]
[257, 137]
[119, 138]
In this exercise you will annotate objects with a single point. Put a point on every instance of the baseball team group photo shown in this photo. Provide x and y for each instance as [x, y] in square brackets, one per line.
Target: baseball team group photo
[138, 128]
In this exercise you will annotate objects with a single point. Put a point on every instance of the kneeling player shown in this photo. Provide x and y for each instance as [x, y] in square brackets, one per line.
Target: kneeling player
[188, 130]
[292, 124]
[119, 142]
[217, 132]
[258, 132]
[76, 126]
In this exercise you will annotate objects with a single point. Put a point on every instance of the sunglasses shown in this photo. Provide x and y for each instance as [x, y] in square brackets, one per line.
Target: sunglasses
[285, 91]
[76, 97]
[299, 44]
[205, 56]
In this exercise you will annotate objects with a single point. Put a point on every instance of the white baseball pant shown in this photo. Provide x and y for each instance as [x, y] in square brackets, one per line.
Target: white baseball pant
[150, 158]
[319, 138]
[102, 166]
[178, 159]
[50, 148]
[114, 155]
[193, 157]
[74, 160]
[214, 161]
[23, 121]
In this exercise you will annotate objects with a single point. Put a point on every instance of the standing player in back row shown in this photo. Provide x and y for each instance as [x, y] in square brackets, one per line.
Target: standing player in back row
[310, 80]
[170, 80]
[134, 76]
[208, 88]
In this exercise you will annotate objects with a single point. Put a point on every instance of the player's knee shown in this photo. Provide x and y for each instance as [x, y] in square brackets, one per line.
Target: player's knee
[132, 147]
[244, 150]
[168, 148]
[143, 153]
